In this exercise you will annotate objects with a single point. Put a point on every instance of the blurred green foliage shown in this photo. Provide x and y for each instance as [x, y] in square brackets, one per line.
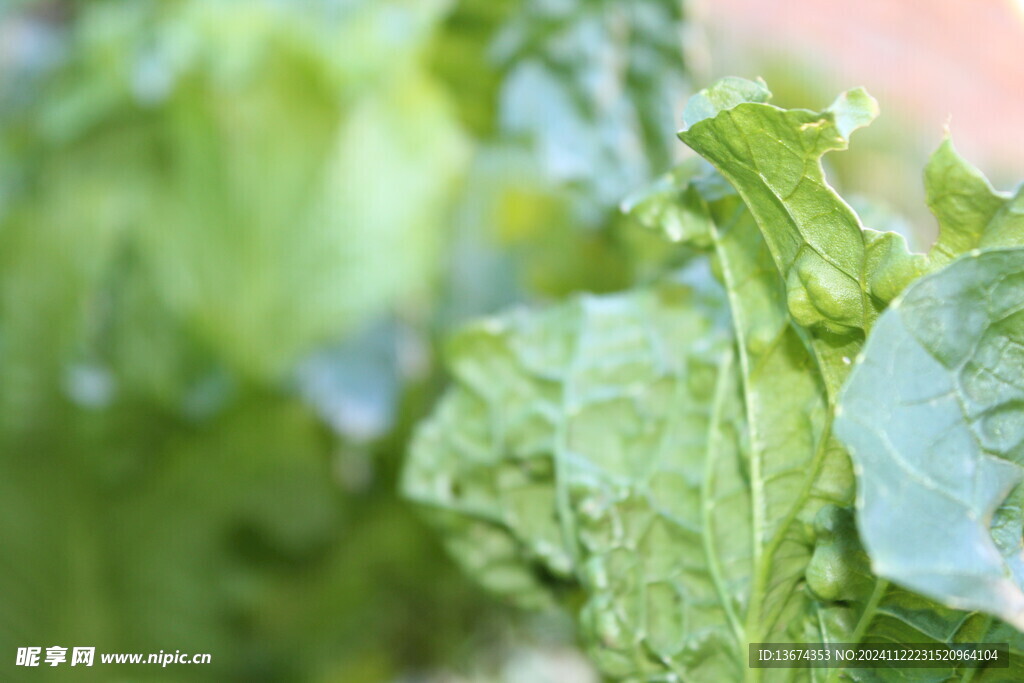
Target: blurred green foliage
[229, 233]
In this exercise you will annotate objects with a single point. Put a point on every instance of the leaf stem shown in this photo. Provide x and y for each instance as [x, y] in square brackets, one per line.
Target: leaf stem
[722, 386]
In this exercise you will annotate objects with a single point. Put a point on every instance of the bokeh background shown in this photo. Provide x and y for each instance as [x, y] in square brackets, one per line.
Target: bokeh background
[234, 236]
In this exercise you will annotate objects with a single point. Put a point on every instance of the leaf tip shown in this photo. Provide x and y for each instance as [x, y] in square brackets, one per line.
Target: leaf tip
[853, 109]
[724, 94]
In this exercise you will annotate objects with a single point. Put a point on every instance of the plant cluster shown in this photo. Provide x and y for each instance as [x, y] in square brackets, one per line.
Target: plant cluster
[806, 433]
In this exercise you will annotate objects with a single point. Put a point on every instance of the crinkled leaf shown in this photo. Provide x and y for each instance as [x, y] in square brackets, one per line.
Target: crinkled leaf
[859, 607]
[684, 554]
[772, 157]
[579, 436]
[807, 534]
[851, 604]
[788, 437]
[837, 274]
[756, 147]
[939, 450]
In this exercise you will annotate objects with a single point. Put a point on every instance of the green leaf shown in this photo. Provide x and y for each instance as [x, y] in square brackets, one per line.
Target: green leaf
[589, 85]
[847, 602]
[859, 607]
[772, 157]
[726, 94]
[575, 440]
[795, 467]
[838, 275]
[810, 579]
[939, 449]
[672, 206]
[690, 525]
[743, 509]
[795, 209]
[574, 105]
[286, 207]
[971, 213]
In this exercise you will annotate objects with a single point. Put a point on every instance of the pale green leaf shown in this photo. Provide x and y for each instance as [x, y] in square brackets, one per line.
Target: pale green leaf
[932, 416]
[577, 440]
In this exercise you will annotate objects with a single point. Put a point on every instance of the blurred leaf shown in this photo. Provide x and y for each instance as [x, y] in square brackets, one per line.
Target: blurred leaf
[588, 86]
[202, 207]
[573, 104]
[250, 169]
